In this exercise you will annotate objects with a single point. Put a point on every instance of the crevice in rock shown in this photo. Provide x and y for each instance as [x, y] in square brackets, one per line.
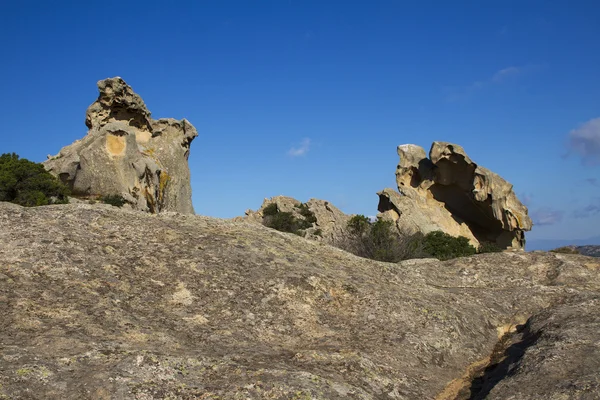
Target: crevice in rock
[506, 354]
[481, 376]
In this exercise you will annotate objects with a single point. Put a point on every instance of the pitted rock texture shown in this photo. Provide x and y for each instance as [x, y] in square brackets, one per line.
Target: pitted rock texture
[128, 153]
[451, 193]
[191, 307]
[331, 221]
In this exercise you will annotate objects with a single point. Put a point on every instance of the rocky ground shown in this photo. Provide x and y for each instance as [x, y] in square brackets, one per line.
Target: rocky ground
[102, 303]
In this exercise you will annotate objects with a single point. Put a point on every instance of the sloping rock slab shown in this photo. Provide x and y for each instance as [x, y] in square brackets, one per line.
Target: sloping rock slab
[104, 303]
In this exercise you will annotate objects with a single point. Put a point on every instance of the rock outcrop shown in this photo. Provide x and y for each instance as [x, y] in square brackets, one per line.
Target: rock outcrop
[191, 307]
[330, 221]
[451, 193]
[127, 153]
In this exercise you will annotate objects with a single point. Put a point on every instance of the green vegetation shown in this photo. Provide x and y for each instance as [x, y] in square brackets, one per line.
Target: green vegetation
[270, 210]
[29, 184]
[565, 250]
[285, 221]
[444, 247]
[379, 241]
[489, 247]
[114, 200]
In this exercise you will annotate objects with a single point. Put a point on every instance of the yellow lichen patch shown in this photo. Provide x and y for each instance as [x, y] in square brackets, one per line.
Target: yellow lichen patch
[197, 319]
[143, 136]
[182, 296]
[162, 185]
[115, 145]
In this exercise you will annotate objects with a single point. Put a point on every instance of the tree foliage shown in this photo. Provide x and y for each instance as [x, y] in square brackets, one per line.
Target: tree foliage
[444, 247]
[285, 221]
[379, 241]
[29, 184]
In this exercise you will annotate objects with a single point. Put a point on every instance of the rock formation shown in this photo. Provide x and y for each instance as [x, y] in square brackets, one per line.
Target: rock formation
[330, 224]
[451, 193]
[127, 153]
[191, 307]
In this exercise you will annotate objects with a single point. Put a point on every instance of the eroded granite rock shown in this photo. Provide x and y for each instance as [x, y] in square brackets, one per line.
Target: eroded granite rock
[127, 153]
[451, 193]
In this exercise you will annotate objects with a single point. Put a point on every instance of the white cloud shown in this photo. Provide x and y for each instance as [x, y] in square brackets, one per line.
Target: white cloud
[505, 73]
[301, 149]
[497, 78]
[585, 141]
[546, 216]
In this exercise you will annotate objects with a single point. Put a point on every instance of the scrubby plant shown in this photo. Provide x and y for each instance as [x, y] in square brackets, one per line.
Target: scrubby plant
[443, 246]
[114, 200]
[27, 183]
[359, 224]
[285, 221]
[270, 210]
[282, 221]
[489, 247]
[308, 215]
[379, 240]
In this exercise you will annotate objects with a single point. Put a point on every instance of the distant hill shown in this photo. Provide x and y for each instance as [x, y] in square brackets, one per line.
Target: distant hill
[591, 250]
[549, 244]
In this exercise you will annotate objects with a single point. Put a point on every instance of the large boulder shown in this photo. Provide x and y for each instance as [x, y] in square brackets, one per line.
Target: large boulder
[191, 307]
[451, 193]
[330, 222]
[129, 154]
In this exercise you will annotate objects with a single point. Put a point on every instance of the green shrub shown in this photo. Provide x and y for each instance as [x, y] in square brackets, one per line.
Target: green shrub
[282, 221]
[489, 247]
[565, 250]
[308, 215]
[359, 224]
[114, 200]
[286, 221]
[444, 247]
[29, 184]
[318, 232]
[379, 241]
[270, 210]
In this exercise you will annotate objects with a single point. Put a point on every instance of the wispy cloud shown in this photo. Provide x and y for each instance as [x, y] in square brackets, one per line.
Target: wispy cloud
[526, 199]
[506, 73]
[593, 182]
[588, 211]
[499, 77]
[585, 142]
[546, 216]
[301, 149]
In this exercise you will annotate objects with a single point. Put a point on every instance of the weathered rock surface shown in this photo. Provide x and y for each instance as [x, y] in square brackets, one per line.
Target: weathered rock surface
[451, 193]
[128, 153]
[331, 221]
[93, 307]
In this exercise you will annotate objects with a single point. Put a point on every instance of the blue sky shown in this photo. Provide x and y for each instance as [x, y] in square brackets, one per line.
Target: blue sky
[311, 98]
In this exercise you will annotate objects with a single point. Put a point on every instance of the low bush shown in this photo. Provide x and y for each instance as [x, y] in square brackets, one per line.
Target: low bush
[444, 247]
[489, 247]
[114, 200]
[27, 183]
[286, 221]
[270, 210]
[379, 241]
